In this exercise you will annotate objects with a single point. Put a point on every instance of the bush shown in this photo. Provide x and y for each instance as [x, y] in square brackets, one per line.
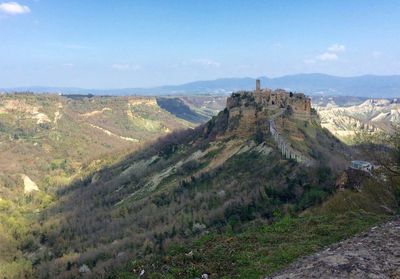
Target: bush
[188, 167]
[310, 198]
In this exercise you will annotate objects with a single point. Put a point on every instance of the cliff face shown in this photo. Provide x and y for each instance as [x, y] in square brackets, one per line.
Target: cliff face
[267, 99]
[262, 113]
[247, 109]
[282, 117]
[372, 116]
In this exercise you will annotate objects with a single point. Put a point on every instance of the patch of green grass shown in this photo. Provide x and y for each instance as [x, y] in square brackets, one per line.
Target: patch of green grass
[261, 250]
[214, 153]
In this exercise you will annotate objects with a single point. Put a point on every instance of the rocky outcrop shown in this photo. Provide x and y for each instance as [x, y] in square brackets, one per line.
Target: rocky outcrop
[373, 254]
[266, 99]
[29, 185]
[250, 110]
[372, 116]
[21, 106]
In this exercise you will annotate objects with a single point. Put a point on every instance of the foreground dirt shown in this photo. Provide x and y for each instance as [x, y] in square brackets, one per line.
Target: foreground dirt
[372, 254]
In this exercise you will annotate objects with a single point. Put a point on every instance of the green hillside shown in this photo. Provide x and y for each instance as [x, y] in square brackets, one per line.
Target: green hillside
[222, 198]
[47, 141]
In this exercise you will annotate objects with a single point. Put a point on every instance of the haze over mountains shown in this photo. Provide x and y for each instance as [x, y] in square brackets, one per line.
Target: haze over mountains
[371, 86]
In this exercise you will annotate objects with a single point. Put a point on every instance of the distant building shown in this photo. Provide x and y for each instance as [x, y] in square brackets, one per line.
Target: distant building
[258, 85]
[362, 165]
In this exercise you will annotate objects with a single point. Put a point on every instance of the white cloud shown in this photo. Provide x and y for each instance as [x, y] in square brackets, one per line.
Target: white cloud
[13, 8]
[208, 63]
[331, 54]
[68, 65]
[327, 56]
[335, 48]
[122, 67]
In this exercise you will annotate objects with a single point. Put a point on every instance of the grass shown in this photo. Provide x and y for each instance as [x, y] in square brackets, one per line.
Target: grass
[257, 249]
[261, 250]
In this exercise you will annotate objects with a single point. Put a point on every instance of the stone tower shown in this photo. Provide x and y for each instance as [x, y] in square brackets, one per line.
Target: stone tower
[258, 87]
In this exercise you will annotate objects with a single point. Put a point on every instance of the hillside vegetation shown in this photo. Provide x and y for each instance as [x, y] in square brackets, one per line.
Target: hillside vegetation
[48, 140]
[221, 198]
[61, 134]
[192, 201]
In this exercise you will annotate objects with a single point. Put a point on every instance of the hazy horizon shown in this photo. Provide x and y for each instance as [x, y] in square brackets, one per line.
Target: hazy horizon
[123, 44]
[192, 81]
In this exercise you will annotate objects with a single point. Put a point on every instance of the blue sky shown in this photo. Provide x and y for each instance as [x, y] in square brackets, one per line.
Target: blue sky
[116, 44]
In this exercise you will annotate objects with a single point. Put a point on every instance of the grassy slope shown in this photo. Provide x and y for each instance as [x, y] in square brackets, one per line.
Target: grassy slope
[250, 212]
[59, 149]
[259, 249]
[262, 249]
[138, 219]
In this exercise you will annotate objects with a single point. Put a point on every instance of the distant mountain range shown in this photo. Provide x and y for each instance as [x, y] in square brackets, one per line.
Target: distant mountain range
[371, 86]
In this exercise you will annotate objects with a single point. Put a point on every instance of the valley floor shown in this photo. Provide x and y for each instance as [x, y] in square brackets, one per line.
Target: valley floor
[372, 254]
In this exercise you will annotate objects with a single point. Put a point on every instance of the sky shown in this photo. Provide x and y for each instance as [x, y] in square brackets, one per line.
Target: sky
[134, 43]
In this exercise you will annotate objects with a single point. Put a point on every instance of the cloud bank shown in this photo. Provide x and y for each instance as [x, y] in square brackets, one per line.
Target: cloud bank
[13, 8]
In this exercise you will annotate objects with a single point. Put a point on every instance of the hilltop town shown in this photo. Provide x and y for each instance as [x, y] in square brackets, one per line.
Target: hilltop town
[270, 100]
[248, 110]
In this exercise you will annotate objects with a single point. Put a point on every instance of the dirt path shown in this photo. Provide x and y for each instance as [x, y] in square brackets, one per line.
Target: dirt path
[112, 134]
[372, 254]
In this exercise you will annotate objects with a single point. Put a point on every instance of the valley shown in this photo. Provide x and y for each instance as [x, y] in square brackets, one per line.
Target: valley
[55, 135]
[48, 141]
[176, 185]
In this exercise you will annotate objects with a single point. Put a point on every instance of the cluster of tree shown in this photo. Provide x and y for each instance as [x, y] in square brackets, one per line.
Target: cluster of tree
[90, 226]
[116, 215]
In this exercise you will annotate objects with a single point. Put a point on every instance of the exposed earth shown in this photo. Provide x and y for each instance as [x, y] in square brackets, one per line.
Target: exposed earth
[372, 254]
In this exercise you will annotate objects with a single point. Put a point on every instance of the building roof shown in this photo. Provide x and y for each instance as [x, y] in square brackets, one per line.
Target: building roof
[359, 162]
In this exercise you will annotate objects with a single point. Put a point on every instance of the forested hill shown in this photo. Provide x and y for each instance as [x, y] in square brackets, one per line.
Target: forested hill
[210, 182]
[48, 140]
[229, 198]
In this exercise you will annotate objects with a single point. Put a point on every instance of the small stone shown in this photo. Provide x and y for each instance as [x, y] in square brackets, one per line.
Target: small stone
[84, 269]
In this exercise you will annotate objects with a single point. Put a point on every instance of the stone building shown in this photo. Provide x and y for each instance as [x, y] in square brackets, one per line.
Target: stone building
[267, 99]
[361, 165]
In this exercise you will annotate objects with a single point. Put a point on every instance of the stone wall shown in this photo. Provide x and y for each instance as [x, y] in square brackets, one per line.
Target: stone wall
[284, 146]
